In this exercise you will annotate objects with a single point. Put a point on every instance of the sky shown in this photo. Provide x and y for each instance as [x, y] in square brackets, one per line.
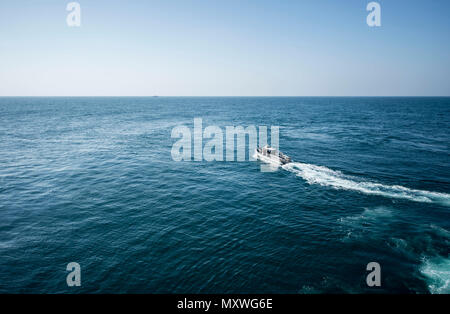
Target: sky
[224, 48]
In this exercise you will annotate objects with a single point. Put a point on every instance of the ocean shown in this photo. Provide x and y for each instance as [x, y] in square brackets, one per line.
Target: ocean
[93, 181]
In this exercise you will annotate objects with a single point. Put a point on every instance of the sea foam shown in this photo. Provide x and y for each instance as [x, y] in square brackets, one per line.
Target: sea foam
[327, 177]
[437, 272]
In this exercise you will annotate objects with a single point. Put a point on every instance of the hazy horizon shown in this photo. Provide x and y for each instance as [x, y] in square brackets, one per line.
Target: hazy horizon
[221, 96]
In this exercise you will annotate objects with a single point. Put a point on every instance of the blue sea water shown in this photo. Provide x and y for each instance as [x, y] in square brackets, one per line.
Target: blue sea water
[92, 181]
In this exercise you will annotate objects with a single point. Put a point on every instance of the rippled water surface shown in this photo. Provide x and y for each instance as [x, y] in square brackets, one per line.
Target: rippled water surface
[92, 180]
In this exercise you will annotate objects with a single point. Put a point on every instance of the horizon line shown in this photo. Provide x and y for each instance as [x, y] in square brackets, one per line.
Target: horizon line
[220, 96]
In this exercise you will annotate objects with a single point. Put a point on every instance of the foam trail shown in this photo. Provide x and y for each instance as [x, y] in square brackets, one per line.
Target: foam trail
[437, 273]
[327, 177]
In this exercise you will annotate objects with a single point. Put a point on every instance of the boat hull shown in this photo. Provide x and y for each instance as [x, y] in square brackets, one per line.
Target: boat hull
[270, 160]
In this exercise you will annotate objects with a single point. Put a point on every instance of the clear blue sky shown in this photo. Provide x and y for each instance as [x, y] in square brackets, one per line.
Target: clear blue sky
[224, 48]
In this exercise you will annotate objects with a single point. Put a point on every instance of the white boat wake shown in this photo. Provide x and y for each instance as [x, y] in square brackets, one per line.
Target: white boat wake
[437, 272]
[324, 176]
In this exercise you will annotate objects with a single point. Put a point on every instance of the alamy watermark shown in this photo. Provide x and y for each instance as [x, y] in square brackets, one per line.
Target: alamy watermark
[374, 17]
[73, 279]
[74, 17]
[216, 144]
[373, 279]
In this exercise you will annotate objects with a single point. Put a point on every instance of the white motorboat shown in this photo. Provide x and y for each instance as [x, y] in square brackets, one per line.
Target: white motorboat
[271, 155]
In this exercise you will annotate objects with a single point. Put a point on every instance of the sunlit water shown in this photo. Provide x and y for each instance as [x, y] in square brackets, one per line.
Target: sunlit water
[92, 180]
